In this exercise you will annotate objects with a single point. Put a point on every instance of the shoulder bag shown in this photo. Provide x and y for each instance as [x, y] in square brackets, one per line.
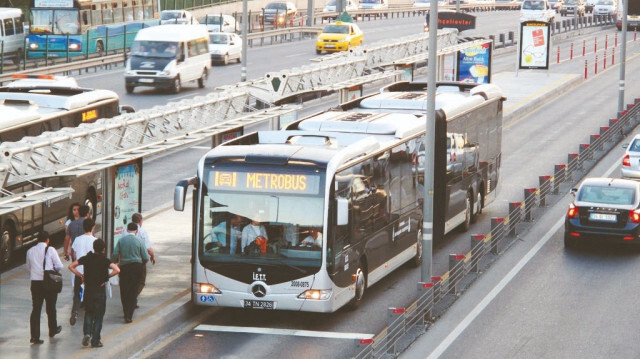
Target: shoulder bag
[52, 278]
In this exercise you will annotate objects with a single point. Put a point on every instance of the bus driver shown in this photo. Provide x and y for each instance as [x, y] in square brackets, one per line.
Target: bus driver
[314, 239]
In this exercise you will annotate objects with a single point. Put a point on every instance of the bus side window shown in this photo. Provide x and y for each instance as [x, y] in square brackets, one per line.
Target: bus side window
[8, 26]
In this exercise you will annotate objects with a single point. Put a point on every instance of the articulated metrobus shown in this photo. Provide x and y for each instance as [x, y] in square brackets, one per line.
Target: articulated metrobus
[307, 218]
[29, 107]
[89, 26]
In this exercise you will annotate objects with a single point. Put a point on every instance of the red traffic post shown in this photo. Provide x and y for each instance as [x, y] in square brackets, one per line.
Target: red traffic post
[515, 217]
[585, 69]
[616, 42]
[595, 142]
[558, 53]
[573, 162]
[456, 271]
[584, 47]
[363, 348]
[571, 54]
[395, 328]
[477, 246]
[559, 175]
[595, 45]
[584, 152]
[425, 300]
[596, 65]
[604, 60]
[545, 185]
[529, 202]
[497, 233]
[613, 56]
[606, 41]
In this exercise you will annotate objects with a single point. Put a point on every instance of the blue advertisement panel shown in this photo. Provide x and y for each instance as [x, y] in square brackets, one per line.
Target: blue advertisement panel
[474, 64]
[127, 196]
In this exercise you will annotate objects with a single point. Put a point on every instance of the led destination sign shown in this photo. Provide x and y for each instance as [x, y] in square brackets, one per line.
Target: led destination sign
[268, 182]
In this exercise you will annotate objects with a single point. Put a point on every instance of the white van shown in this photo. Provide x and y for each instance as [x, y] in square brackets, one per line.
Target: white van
[537, 10]
[12, 33]
[167, 56]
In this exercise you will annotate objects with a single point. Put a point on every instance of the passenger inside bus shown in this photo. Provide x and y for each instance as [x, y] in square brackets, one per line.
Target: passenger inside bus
[254, 236]
[314, 239]
[219, 235]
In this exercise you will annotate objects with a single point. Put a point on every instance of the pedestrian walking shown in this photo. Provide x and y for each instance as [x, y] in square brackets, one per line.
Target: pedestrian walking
[142, 234]
[82, 245]
[75, 229]
[74, 213]
[36, 256]
[96, 274]
[130, 254]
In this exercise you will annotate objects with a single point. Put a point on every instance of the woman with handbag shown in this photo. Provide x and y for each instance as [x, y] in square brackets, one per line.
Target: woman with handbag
[41, 261]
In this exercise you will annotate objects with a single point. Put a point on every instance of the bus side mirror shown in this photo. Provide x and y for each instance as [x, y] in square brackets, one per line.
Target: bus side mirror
[342, 205]
[180, 193]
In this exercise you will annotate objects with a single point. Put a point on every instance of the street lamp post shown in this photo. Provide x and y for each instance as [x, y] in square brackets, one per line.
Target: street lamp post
[245, 33]
[623, 55]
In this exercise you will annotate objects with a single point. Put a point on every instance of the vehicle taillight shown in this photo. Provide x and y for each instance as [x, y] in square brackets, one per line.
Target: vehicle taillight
[634, 216]
[573, 211]
[625, 161]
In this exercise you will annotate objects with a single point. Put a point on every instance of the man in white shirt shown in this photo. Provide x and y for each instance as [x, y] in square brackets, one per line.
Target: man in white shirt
[35, 258]
[142, 234]
[82, 245]
[252, 231]
[313, 239]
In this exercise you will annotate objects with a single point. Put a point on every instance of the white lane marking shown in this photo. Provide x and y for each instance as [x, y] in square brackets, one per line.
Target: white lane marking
[183, 96]
[444, 345]
[299, 54]
[101, 73]
[275, 331]
[200, 147]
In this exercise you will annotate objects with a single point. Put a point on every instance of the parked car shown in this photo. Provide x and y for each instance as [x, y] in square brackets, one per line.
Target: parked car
[605, 210]
[537, 10]
[278, 13]
[631, 159]
[572, 7]
[331, 6]
[339, 36]
[224, 47]
[176, 17]
[213, 23]
[604, 8]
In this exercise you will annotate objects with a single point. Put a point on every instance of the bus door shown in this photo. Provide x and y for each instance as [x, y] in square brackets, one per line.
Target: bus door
[456, 192]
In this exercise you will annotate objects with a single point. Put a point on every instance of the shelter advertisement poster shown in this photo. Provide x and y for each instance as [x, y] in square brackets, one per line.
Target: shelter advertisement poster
[534, 45]
[127, 196]
[474, 64]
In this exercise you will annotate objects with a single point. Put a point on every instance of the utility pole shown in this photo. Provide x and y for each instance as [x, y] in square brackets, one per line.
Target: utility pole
[623, 55]
[429, 146]
[245, 33]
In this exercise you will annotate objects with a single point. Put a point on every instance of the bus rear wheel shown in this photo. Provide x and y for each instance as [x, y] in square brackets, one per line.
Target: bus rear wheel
[6, 246]
[360, 287]
[417, 260]
[467, 215]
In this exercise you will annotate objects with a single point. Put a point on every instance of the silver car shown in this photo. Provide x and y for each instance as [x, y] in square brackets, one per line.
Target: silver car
[631, 159]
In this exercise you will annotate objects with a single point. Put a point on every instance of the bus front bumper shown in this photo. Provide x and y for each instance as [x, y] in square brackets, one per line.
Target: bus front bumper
[270, 302]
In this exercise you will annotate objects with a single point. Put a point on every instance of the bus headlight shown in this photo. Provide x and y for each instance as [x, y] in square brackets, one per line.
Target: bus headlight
[315, 294]
[206, 288]
[33, 46]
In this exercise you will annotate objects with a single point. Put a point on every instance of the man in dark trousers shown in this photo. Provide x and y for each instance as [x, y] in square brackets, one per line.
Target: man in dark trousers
[75, 229]
[35, 257]
[96, 274]
[130, 254]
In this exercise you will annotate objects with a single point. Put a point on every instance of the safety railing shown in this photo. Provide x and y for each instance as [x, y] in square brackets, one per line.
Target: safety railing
[404, 325]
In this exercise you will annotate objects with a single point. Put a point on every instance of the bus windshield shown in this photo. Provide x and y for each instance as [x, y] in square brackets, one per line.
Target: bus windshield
[56, 22]
[258, 215]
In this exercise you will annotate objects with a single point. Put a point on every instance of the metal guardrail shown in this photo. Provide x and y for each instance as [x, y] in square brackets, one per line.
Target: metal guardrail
[405, 325]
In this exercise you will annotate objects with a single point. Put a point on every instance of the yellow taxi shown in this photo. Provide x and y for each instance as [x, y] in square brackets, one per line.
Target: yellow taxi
[339, 36]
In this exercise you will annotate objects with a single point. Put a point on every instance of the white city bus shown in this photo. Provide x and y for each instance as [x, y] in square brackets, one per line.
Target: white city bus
[30, 106]
[351, 174]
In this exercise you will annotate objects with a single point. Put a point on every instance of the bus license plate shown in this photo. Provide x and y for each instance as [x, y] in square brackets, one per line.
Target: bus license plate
[603, 217]
[258, 304]
[148, 81]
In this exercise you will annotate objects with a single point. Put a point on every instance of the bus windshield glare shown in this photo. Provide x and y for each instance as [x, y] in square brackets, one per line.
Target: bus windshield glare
[55, 22]
[256, 215]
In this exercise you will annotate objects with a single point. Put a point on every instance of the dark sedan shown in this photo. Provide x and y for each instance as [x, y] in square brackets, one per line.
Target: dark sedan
[604, 209]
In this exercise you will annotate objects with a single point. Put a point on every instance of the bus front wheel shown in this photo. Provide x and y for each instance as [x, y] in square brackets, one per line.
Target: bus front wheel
[6, 245]
[360, 287]
[417, 260]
